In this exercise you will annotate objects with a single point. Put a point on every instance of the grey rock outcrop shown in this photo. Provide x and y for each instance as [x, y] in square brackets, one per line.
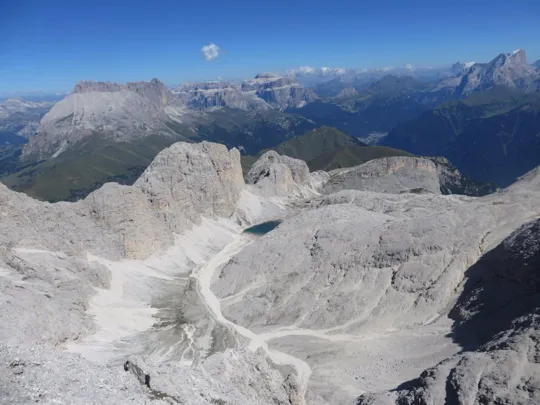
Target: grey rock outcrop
[153, 90]
[499, 312]
[276, 175]
[387, 175]
[89, 86]
[223, 378]
[351, 293]
[47, 280]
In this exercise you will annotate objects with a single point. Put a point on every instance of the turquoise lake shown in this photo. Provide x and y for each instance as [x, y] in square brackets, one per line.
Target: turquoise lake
[261, 229]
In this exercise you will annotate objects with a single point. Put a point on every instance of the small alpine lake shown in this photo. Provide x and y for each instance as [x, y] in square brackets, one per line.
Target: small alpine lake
[262, 228]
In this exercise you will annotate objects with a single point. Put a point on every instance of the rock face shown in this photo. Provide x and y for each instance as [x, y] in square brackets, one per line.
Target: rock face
[118, 112]
[498, 312]
[276, 175]
[186, 181]
[510, 69]
[21, 117]
[387, 175]
[264, 92]
[153, 90]
[218, 94]
[279, 92]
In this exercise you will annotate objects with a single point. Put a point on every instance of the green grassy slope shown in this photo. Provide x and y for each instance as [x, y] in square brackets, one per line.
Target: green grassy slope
[327, 148]
[350, 156]
[76, 173]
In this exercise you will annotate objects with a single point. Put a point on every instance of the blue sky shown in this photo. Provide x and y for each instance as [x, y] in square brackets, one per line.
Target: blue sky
[49, 45]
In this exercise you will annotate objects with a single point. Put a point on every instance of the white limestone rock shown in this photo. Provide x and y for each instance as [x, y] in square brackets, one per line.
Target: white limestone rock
[397, 174]
[277, 175]
[355, 273]
[499, 311]
[186, 181]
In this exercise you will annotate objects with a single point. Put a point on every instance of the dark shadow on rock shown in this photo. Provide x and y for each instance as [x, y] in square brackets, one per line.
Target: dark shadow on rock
[415, 382]
[502, 286]
[452, 397]
[498, 308]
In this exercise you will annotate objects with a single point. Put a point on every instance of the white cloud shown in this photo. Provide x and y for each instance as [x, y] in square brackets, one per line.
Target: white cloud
[210, 52]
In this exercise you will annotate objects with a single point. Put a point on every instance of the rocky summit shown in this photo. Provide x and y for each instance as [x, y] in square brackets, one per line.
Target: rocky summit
[106, 110]
[507, 69]
[373, 288]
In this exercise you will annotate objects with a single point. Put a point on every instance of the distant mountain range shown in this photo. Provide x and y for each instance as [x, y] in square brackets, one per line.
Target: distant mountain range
[376, 109]
[265, 91]
[19, 119]
[341, 78]
[491, 135]
[105, 131]
[510, 69]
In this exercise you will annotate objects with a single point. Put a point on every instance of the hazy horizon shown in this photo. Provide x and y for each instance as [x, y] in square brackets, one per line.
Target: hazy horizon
[52, 45]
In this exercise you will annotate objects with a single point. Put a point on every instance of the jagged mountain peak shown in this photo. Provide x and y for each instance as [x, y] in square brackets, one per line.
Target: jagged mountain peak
[507, 69]
[517, 57]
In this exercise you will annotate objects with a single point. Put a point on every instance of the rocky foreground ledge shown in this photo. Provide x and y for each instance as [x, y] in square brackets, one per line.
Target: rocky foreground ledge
[373, 281]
